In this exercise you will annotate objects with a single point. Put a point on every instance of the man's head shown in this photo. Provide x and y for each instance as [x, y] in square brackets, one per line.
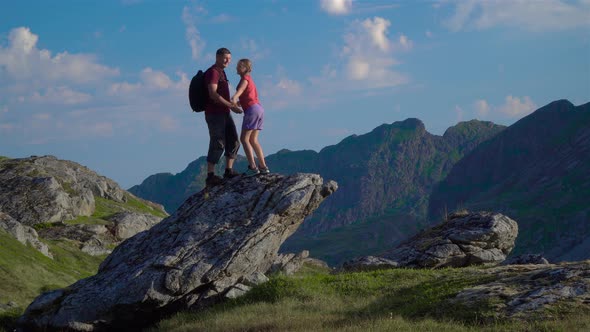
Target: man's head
[222, 57]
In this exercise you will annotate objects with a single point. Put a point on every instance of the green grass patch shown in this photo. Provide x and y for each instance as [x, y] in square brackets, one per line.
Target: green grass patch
[25, 272]
[106, 208]
[385, 300]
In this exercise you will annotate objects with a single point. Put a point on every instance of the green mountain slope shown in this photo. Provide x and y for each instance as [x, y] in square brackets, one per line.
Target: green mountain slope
[385, 178]
[537, 171]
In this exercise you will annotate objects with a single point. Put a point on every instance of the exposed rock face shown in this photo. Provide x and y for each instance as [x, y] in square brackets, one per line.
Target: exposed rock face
[24, 234]
[45, 189]
[526, 259]
[519, 290]
[288, 264]
[128, 224]
[464, 239]
[190, 259]
[368, 263]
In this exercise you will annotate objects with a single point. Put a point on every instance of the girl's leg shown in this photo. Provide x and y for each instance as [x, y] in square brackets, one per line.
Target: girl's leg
[257, 148]
[245, 137]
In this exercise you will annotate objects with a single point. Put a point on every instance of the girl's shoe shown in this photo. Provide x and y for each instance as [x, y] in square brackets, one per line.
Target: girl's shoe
[251, 171]
[264, 170]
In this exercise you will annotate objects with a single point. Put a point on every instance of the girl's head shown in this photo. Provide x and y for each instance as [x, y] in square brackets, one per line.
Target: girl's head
[244, 67]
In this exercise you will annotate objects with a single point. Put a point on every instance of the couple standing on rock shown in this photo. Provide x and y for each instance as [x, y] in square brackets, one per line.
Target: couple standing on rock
[223, 135]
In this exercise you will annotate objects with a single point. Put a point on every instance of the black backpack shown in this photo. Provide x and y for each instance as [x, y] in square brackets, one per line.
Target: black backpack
[198, 94]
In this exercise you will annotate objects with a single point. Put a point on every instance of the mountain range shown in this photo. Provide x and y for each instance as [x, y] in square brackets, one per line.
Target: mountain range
[399, 179]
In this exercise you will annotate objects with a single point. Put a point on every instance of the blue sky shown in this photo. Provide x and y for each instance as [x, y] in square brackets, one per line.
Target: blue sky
[104, 83]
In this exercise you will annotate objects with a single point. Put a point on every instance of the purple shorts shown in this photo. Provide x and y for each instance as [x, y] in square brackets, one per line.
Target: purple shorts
[253, 118]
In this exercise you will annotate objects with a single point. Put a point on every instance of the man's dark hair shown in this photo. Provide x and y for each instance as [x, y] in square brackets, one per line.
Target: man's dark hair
[222, 51]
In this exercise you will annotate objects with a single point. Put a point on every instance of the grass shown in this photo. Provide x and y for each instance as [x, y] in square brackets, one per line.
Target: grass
[386, 300]
[25, 272]
[105, 208]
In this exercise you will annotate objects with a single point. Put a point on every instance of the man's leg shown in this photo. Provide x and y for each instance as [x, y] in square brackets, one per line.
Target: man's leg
[232, 145]
[216, 125]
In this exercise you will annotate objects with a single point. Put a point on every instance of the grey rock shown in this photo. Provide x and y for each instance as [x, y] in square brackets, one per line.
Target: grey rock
[190, 259]
[93, 239]
[45, 189]
[466, 238]
[368, 263]
[288, 263]
[23, 234]
[526, 259]
[128, 224]
[254, 279]
[237, 290]
[519, 291]
[96, 247]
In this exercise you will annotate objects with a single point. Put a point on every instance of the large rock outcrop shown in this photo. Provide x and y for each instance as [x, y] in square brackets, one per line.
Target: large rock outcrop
[193, 258]
[464, 239]
[45, 189]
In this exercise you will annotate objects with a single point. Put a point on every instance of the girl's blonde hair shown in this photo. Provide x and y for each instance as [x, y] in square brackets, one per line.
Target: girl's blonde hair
[247, 64]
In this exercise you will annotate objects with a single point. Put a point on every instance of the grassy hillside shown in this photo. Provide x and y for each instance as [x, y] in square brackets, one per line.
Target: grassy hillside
[388, 300]
[25, 272]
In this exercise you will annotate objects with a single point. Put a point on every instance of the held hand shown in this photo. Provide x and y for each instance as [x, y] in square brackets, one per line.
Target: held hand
[236, 109]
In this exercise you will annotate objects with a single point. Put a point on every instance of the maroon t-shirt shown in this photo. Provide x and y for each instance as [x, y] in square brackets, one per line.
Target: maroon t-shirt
[216, 75]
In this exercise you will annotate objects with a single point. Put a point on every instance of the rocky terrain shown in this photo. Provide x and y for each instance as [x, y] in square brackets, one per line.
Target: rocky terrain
[211, 248]
[52, 199]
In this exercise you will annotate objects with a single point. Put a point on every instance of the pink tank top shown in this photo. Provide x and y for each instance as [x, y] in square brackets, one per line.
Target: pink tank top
[250, 96]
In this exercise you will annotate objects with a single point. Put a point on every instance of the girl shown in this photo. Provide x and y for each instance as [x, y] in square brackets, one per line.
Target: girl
[247, 95]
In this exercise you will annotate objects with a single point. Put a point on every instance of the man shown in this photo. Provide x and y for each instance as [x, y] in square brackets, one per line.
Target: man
[223, 135]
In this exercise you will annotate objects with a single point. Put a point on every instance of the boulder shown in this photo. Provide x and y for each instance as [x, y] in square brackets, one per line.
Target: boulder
[191, 259]
[23, 234]
[534, 290]
[368, 263]
[128, 224]
[526, 259]
[466, 238]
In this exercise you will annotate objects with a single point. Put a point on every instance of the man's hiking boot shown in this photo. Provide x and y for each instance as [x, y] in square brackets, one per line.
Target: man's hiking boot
[251, 171]
[264, 170]
[213, 180]
[230, 173]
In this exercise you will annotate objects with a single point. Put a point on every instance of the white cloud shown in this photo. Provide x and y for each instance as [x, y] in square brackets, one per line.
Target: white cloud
[428, 34]
[336, 7]
[368, 53]
[60, 95]
[150, 81]
[482, 107]
[192, 35]
[23, 61]
[538, 15]
[405, 43]
[514, 106]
